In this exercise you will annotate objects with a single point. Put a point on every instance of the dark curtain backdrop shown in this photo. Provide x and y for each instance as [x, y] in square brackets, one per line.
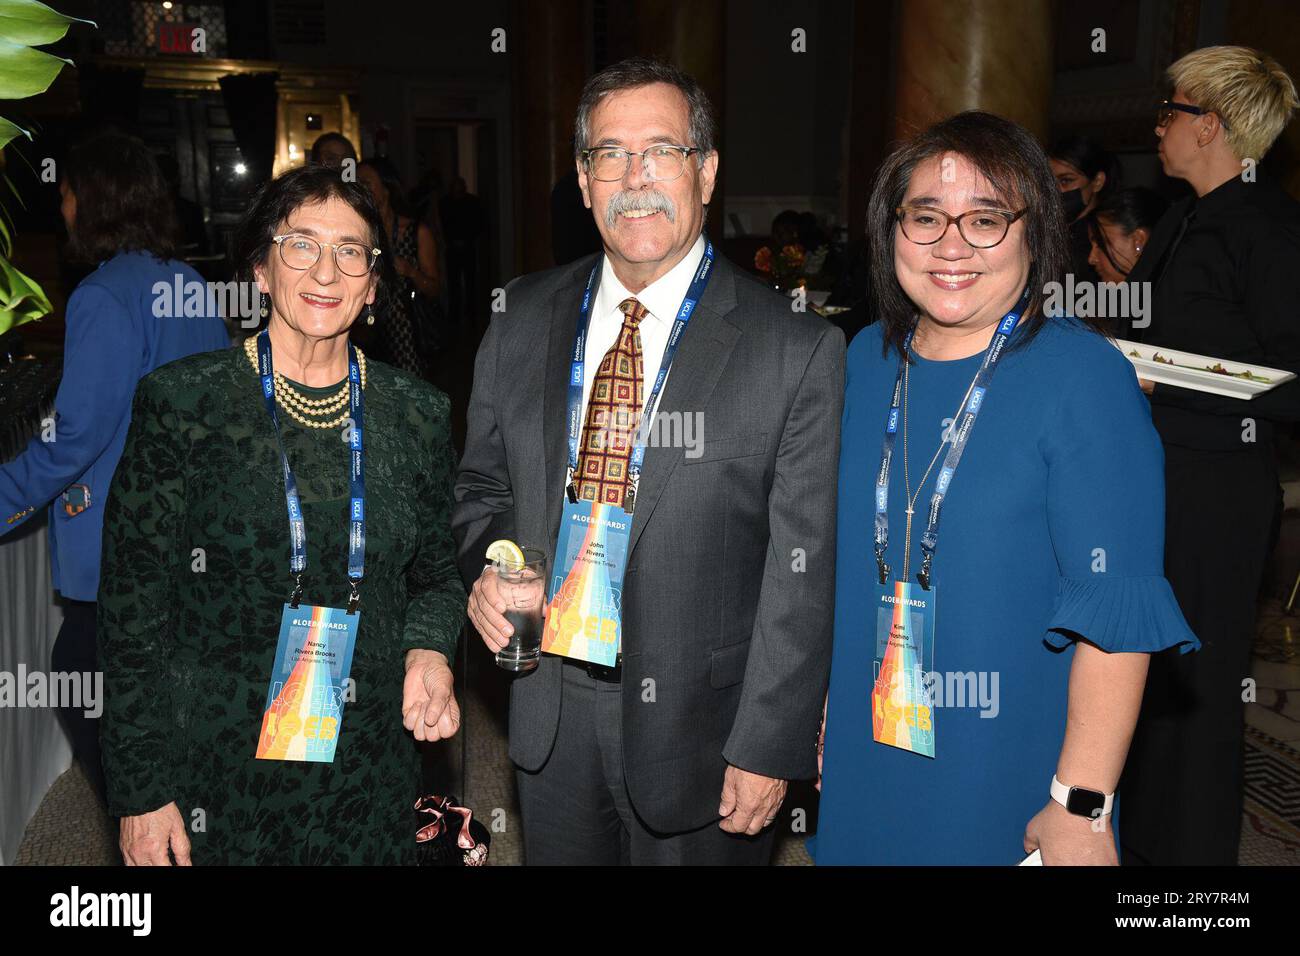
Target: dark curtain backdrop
[251, 103]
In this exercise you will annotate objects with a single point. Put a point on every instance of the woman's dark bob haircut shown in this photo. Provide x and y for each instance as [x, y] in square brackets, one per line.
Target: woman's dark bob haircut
[1090, 158]
[1130, 209]
[123, 202]
[1015, 166]
[309, 185]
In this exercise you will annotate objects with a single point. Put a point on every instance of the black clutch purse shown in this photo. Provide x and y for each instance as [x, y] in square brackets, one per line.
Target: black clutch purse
[452, 837]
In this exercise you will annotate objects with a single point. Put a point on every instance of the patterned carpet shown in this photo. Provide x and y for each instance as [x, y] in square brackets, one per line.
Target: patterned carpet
[1270, 826]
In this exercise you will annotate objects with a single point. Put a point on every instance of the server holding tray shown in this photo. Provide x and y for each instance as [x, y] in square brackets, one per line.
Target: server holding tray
[1223, 267]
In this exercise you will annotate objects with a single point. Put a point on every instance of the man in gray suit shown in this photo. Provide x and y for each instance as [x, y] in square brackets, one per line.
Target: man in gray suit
[681, 753]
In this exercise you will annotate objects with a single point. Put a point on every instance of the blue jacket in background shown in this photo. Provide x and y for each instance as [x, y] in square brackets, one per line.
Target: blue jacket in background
[113, 340]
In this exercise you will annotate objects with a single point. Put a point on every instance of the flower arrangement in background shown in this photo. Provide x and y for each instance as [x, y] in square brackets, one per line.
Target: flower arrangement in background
[786, 268]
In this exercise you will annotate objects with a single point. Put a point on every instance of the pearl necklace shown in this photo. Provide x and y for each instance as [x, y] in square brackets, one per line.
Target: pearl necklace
[309, 411]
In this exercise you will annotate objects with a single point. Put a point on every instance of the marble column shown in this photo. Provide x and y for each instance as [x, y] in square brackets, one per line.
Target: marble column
[955, 55]
[552, 66]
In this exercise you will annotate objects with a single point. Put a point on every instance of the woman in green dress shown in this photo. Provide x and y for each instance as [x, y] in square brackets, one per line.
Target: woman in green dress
[199, 563]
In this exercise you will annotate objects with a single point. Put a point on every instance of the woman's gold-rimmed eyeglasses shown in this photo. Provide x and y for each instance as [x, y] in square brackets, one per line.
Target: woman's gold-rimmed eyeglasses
[660, 164]
[981, 228]
[302, 252]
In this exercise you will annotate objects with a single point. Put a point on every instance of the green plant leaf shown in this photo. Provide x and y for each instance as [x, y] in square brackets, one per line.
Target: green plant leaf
[4, 177]
[7, 219]
[25, 72]
[32, 23]
[21, 299]
[10, 132]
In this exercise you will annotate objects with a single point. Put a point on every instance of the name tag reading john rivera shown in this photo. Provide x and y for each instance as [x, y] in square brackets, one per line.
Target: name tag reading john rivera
[304, 703]
[585, 617]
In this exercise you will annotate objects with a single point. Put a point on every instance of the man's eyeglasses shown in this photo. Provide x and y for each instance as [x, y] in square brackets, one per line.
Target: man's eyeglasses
[302, 252]
[1165, 112]
[660, 164]
[981, 228]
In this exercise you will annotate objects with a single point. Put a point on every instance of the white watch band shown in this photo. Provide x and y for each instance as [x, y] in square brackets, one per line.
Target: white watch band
[1061, 794]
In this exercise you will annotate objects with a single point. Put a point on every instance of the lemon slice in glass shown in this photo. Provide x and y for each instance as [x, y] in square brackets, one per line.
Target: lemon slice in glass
[506, 554]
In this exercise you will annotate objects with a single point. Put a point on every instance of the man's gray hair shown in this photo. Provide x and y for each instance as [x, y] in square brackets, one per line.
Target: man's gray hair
[640, 71]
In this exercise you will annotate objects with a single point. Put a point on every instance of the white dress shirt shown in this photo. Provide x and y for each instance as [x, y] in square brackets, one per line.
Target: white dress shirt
[662, 298]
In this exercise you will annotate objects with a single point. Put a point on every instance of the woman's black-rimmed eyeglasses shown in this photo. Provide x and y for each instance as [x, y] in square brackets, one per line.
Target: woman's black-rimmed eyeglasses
[302, 252]
[981, 228]
[1165, 112]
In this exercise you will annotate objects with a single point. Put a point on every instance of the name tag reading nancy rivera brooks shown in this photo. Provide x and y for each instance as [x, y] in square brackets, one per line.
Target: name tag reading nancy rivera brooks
[304, 703]
[584, 620]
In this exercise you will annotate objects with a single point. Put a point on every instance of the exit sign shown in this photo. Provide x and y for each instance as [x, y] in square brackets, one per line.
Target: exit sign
[178, 38]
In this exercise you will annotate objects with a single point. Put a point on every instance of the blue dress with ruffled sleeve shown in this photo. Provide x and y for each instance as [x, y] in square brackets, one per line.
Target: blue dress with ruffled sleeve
[1052, 531]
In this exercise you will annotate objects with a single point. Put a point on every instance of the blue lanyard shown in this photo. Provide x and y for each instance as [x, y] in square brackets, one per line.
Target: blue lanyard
[576, 374]
[959, 436]
[357, 480]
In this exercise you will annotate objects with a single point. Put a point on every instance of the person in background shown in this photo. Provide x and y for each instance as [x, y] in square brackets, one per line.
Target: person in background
[1085, 174]
[573, 234]
[462, 223]
[1119, 229]
[1222, 264]
[189, 214]
[424, 196]
[785, 229]
[330, 149]
[118, 211]
[811, 234]
[415, 259]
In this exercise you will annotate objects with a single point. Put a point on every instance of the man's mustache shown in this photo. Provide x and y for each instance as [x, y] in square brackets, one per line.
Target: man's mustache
[638, 201]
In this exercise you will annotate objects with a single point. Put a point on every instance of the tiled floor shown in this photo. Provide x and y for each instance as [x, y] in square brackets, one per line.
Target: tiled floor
[1277, 674]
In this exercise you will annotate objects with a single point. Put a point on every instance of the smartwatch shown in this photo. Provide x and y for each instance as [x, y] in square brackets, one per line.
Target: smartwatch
[1082, 801]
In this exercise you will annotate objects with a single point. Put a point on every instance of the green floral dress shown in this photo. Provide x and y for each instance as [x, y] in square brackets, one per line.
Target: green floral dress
[195, 576]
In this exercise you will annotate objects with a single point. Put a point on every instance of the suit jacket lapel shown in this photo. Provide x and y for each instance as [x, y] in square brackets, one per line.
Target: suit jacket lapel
[701, 356]
[559, 353]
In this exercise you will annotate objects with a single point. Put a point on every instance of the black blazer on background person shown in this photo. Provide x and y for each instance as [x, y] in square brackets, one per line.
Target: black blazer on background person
[728, 598]
[1226, 289]
[1230, 293]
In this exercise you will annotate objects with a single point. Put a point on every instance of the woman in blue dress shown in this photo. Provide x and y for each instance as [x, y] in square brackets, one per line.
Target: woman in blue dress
[988, 714]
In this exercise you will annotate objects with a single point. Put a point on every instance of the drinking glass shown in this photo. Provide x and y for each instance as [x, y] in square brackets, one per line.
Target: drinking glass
[524, 591]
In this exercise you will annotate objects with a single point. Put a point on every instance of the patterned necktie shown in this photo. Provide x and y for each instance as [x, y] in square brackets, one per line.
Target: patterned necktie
[613, 411]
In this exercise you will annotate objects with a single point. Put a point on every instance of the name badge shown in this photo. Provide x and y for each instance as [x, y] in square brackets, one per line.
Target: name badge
[902, 714]
[304, 702]
[585, 617]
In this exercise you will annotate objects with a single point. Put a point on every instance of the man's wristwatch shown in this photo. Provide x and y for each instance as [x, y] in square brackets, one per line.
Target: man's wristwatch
[1081, 801]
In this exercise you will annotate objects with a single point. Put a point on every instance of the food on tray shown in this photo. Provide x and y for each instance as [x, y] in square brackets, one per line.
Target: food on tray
[1217, 367]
